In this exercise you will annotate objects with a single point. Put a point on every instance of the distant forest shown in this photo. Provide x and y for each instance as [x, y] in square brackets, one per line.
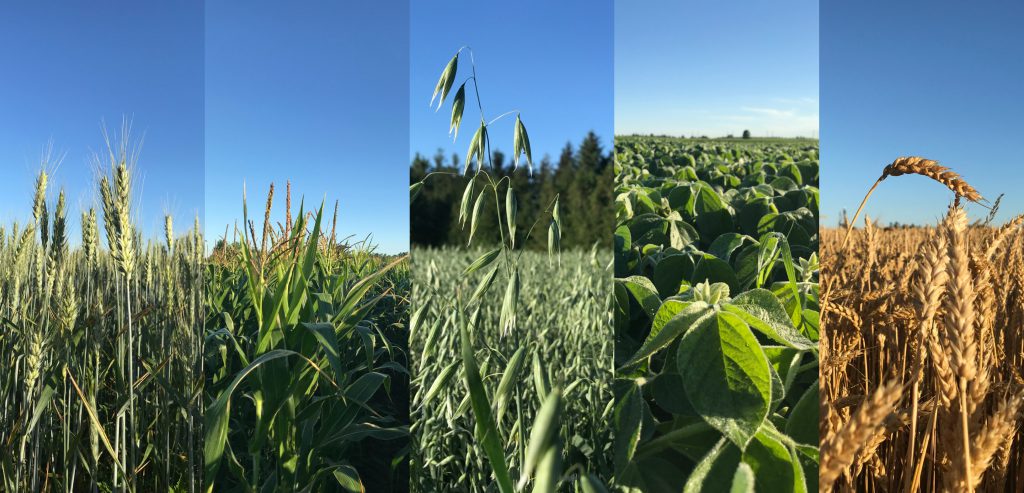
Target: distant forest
[583, 177]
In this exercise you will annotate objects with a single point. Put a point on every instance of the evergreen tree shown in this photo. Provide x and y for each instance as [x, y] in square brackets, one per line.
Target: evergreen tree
[582, 179]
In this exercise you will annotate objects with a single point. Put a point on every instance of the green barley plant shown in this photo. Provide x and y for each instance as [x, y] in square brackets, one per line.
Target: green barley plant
[716, 316]
[102, 389]
[306, 361]
[511, 386]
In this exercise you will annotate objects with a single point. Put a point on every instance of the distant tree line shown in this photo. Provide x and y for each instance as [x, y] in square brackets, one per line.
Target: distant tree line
[583, 178]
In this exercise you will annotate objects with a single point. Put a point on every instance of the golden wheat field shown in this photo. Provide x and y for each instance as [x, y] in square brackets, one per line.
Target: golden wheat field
[922, 355]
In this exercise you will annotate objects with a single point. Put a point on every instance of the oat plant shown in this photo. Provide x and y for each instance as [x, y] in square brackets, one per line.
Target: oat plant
[518, 436]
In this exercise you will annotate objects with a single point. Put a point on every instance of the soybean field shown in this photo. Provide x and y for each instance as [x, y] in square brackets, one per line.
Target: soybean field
[716, 315]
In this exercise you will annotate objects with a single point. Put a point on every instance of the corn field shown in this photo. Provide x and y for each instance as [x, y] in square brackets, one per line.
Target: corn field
[922, 351]
[306, 361]
[559, 350]
[103, 384]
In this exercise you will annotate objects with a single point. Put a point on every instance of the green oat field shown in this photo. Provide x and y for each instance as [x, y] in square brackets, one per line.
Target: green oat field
[559, 350]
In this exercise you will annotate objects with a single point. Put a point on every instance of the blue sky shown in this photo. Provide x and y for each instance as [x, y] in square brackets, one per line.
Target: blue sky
[935, 79]
[70, 68]
[716, 68]
[316, 93]
[550, 60]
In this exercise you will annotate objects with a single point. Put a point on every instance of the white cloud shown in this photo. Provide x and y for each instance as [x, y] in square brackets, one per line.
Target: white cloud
[801, 101]
[795, 117]
[772, 112]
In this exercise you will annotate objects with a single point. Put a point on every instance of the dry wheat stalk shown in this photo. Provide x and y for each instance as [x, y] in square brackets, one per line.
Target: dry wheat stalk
[968, 307]
[840, 449]
[993, 434]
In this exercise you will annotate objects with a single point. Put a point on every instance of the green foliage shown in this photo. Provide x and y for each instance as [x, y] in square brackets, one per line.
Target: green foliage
[472, 432]
[716, 315]
[545, 383]
[582, 177]
[306, 365]
[103, 347]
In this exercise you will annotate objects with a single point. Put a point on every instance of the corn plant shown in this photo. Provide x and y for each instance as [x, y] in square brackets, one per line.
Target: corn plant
[105, 376]
[306, 362]
[502, 435]
[716, 316]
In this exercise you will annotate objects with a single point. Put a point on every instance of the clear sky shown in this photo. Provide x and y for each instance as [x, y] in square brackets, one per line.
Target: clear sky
[716, 68]
[316, 93]
[550, 60]
[935, 79]
[68, 69]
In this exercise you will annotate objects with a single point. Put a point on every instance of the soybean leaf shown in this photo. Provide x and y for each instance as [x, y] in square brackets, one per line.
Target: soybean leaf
[715, 472]
[802, 424]
[743, 480]
[762, 311]
[726, 376]
[686, 316]
[628, 419]
[771, 462]
[645, 293]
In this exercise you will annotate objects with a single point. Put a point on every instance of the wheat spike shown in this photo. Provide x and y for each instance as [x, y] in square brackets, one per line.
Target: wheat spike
[926, 167]
[839, 450]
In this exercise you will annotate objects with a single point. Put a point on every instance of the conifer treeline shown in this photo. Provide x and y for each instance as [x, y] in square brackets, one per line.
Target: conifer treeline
[583, 176]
